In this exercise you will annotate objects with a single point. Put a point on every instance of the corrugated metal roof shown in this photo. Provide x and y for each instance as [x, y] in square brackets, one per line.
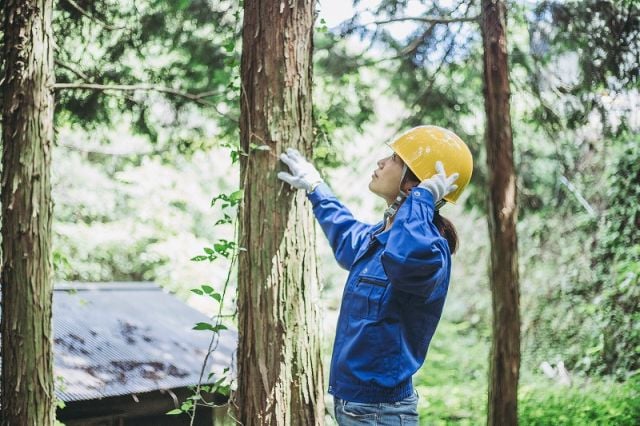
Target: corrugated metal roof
[120, 338]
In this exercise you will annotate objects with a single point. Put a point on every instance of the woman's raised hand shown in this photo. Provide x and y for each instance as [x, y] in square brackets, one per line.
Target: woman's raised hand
[440, 184]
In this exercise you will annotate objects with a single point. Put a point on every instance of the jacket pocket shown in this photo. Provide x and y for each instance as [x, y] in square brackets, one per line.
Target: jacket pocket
[367, 296]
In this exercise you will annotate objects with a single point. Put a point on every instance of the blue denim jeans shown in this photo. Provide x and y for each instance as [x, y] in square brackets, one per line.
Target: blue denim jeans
[403, 412]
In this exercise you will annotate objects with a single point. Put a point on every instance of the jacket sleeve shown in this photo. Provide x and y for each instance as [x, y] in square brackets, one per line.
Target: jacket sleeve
[416, 258]
[344, 232]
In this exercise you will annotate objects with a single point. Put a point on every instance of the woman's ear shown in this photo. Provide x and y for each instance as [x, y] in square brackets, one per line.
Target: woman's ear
[408, 185]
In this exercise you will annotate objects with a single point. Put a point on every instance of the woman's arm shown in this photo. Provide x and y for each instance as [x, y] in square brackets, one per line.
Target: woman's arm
[344, 232]
[416, 258]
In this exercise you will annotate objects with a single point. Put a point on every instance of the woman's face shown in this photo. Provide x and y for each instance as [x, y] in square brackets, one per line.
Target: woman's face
[385, 180]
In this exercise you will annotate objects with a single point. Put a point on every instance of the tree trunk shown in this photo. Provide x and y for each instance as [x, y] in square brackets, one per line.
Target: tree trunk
[502, 208]
[279, 365]
[27, 133]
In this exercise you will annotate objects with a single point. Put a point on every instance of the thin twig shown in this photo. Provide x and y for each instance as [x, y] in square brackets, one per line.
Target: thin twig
[427, 19]
[215, 338]
[566, 182]
[84, 76]
[195, 97]
[83, 12]
[413, 46]
[432, 80]
[107, 152]
[68, 67]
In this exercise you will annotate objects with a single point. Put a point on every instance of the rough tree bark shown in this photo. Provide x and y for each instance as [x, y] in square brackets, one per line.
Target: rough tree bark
[505, 348]
[279, 365]
[27, 134]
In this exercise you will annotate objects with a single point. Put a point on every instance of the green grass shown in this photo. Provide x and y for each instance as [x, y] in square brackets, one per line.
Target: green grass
[585, 403]
[452, 382]
[453, 388]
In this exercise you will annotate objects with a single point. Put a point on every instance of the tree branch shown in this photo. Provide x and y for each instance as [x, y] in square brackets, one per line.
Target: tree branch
[106, 153]
[427, 19]
[83, 12]
[198, 97]
[432, 80]
[413, 46]
[195, 97]
[81, 74]
[68, 67]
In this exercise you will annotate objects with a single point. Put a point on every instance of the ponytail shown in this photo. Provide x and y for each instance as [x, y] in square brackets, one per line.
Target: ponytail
[447, 230]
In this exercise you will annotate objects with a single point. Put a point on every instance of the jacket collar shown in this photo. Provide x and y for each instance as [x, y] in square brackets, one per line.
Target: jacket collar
[379, 234]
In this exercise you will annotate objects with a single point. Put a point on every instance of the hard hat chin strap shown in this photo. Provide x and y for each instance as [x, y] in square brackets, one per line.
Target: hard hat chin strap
[391, 211]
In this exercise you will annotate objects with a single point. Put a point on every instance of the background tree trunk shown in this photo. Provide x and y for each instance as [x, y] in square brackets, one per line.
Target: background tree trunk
[279, 377]
[27, 133]
[502, 209]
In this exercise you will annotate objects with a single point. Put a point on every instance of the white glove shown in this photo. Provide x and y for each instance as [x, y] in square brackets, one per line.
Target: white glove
[303, 174]
[439, 184]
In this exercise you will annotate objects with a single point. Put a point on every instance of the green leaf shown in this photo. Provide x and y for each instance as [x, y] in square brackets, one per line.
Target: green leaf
[225, 220]
[223, 197]
[216, 296]
[229, 46]
[197, 291]
[236, 196]
[207, 288]
[224, 390]
[203, 326]
[208, 250]
[199, 258]
[174, 412]
[183, 4]
[219, 327]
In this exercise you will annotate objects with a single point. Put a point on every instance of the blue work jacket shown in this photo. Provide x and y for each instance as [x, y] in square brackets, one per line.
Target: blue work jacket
[393, 297]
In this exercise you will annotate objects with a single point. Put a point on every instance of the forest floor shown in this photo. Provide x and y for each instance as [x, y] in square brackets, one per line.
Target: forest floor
[452, 386]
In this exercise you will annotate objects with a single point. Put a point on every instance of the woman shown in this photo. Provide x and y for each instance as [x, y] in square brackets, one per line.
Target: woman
[399, 271]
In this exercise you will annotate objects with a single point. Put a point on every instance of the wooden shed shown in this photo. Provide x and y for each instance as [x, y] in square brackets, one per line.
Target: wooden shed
[126, 353]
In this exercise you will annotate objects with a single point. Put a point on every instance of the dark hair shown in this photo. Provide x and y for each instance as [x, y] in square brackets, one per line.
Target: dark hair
[447, 230]
[444, 225]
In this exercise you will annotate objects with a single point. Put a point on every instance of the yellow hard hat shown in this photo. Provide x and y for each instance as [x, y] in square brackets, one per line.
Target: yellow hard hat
[422, 146]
